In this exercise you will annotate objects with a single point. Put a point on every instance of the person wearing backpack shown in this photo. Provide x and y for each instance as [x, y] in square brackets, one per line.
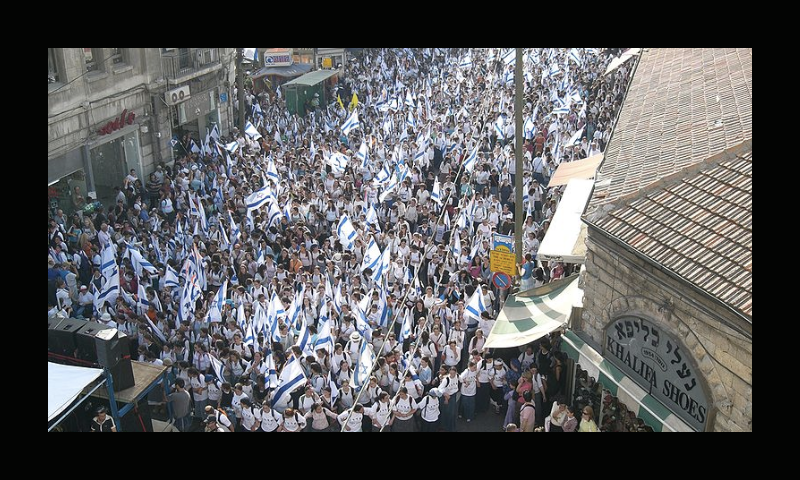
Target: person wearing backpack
[249, 420]
[269, 419]
[429, 408]
[220, 416]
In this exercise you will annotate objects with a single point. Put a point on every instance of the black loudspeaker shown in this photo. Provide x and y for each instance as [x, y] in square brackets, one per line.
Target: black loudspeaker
[61, 338]
[85, 339]
[122, 374]
[112, 346]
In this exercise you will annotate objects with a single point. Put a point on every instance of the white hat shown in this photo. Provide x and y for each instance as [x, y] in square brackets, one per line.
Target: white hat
[84, 287]
[106, 317]
[355, 336]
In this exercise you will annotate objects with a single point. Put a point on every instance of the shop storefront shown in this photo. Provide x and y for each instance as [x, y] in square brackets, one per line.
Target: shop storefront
[616, 393]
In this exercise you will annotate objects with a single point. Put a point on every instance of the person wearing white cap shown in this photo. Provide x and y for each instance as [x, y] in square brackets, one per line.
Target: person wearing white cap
[85, 302]
[497, 378]
[107, 320]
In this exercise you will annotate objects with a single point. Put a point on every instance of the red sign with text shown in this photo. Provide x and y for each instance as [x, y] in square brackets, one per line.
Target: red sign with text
[126, 118]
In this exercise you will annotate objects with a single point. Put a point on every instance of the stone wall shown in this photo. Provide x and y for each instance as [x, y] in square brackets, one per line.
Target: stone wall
[619, 282]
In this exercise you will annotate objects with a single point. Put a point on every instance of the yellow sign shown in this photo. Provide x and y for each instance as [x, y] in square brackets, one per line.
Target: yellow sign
[327, 62]
[503, 262]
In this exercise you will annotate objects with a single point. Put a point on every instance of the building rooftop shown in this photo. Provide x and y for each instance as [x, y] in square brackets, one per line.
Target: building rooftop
[683, 106]
[676, 184]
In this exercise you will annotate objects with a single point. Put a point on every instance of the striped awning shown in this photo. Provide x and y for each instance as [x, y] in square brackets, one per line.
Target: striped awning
[534, 315]
[619, 385]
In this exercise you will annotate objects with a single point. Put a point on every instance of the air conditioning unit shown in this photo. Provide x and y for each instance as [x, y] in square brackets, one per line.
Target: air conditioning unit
[176, 96]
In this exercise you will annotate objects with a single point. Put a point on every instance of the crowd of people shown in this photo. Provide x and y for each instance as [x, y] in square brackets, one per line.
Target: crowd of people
[322, 272]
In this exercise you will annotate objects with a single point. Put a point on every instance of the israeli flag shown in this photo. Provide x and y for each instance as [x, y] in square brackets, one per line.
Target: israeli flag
[108, 264]
[498, 128]
[365, 360]
[258, 198]
[386, 258]
[272, 172]
[575, 56]
[303, 339]
[393, 185]
[372, 257]
[291, 378]
[346, 232]
[334, 388]
[411, 121]
[249, 336]
[324, 339]
[363, 154]
[139, 263]
[274, 215]
[409, 101]
[383, 175]
[338, 162]
[475, 306]
[351, 123]
[436, 196]
[251, 131]
[576, 137]
[194, 148]
[471, 161]
[529, 128]
[372, 218]
[231, 147]
[405, 332]
[456, 245]
[171, 278]
[509, 57]
[215, 312]
[109, 292]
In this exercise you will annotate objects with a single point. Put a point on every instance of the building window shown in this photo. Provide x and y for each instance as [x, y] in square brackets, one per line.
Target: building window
[117, 56]
[52, 67]
[91, 59]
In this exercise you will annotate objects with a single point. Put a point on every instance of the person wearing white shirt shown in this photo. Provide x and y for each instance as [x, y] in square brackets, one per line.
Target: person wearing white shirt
[403, 408]
[497, 377]
[352, 421]
[249, 421]
[451, 354]
[291, 421]
[469, 381]
[381, 412]
[449, 388]
[269, 419]
[430, 410]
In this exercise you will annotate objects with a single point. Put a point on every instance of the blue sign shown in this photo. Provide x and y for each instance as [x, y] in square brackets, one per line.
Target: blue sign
[223, 97]
[503, 243]
[501, 280]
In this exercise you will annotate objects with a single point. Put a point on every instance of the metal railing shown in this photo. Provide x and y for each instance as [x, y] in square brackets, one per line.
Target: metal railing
[185, 63]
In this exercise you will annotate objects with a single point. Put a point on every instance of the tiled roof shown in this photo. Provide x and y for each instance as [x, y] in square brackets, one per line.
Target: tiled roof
[700, 226]
[677, 183]
[683, 106]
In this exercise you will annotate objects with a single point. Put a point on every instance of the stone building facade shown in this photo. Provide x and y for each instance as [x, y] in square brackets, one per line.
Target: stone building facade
[112, 110]
[669, 238]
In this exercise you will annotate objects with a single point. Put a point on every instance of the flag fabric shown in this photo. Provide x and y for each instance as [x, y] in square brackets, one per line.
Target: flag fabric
[291, 378]
[456, 245]
[191, 292]
[140, 264]
[272, 172]
[231, 147]
[157, 249]
[338, 162]
[251, 131]
[339, 99]
[383, 267]
[194, 148]
[143, 302]
[217, 367]
[109, 292]
[171, 278]
[354, 101]
[509, 57]
[156, 331]
[351, 123]
[372, 218]
[258, 198]
[346, 232]
[249, 336]
[436, 195]
[215, 311]
[274, 215]
[324, 338]
[405, 332]
[334, 388]
[372, 256]
[475, 306]
[365, 359]
[575, 56]
[108, 264]
[471, 161]
[499, 128]
[363, 154]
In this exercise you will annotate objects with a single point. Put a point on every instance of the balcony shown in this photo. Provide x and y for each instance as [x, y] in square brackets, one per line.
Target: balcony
[188, 62]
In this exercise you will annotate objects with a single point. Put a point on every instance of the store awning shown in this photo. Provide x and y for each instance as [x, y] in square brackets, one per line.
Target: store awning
[294, 70]
[312, 78]
[534, 315]
[586, 168]
[565, 240]
[64, 384]
[619, 385]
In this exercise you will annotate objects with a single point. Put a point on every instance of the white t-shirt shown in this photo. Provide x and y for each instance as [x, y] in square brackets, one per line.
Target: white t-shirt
[430, 408]
[469, 381]
[354, 423]
[269, 420]
[403, 407]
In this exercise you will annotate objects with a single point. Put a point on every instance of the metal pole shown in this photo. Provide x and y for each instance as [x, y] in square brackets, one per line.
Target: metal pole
[240, 83]
[112, 400]
[518, 136]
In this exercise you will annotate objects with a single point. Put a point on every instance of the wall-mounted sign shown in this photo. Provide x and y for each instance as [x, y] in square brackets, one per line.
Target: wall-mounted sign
[277, 60]
[660, 364]
[125, 118]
